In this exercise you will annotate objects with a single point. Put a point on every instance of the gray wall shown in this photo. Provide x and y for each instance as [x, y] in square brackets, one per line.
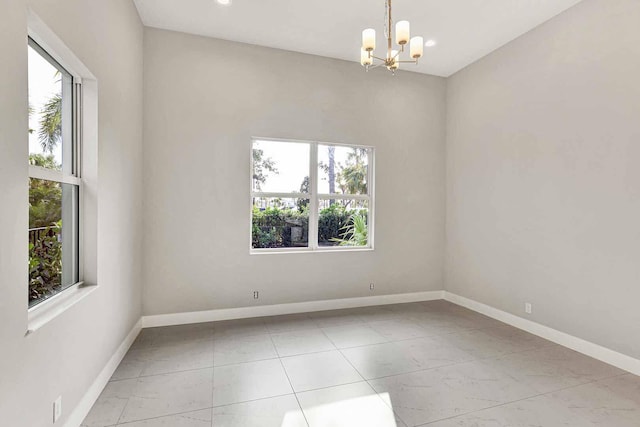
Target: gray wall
[204, 99]
[543, 182]
[65, 356]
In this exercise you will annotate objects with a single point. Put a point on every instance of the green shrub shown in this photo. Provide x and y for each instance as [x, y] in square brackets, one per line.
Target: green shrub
[331, 221]
[45, 264]
[273, 227]
[356, 232]
[337, 225]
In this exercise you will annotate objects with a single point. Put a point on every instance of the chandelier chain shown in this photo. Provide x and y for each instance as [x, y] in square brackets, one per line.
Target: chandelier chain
[387, 30]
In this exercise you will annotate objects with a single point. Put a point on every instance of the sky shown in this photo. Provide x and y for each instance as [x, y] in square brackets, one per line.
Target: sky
[43, 84]
[292, 161]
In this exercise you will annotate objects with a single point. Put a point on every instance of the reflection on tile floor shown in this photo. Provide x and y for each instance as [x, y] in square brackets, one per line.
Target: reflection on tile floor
[404, 365]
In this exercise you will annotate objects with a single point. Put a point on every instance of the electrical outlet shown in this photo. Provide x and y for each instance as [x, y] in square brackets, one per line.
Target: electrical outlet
[371, 286]
[57, 409]
[528, 308]
[256, 295]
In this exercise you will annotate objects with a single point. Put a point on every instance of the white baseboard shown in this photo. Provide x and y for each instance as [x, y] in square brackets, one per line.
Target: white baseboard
[590, 349]
[279, 309]
[86, 403]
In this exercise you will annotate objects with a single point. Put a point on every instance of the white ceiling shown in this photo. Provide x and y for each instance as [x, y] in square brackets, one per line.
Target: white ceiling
[465, 30]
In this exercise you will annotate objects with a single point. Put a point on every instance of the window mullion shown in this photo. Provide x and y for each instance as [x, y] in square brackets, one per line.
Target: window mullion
[342, 196]
[77, 128]
[371, 194]
[266, 194]
[52, 175]
[313, 202]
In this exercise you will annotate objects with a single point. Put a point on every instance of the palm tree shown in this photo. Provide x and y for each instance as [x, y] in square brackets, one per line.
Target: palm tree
[353, 177]
[50, 132]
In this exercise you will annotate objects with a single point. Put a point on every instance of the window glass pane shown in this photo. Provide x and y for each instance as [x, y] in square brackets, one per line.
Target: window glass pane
[280, 167]
[53, 238]
[343, 222]
[280, 223]
[342, 170]
[49, 114]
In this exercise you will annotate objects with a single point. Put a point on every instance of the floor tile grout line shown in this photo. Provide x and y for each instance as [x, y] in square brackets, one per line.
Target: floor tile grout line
[365, 380]
[289, 380]
[513, 401]
[378, 394]
[212, 407]
[293, 393]
[344, 348]
[341, 348]
[445, 334]
[401, 317]
[352, 365]
[314, 352]
[475, 359]
[481, 359]
[328, 386]
[125, 406]
[169, 373]
[252, 400]
[359, 373]
[454, 364]
[219, 366]
[173, 414]
[310, 353]
[372, 388]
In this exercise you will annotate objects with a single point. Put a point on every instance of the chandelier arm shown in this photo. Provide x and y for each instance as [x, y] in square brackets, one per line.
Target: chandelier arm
[378, 58]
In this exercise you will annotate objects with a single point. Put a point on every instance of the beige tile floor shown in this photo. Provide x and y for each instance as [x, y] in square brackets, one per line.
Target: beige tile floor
[430, 363]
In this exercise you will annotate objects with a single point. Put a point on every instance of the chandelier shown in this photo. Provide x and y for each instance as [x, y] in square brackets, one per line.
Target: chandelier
[392, 58]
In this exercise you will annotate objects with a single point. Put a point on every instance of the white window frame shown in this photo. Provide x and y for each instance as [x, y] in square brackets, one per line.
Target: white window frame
[314, 197]
[68, 174]
[84, 173]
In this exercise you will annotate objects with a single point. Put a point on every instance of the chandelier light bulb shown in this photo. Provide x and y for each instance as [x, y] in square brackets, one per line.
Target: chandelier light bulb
[402, 32]
[416, 47]
[369, 39]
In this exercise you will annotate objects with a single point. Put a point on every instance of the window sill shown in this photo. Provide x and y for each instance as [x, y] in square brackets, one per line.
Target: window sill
[48, 310]
[307, 251]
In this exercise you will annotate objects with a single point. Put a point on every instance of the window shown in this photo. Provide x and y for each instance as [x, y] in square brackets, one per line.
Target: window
[310, 196]
[54, 176]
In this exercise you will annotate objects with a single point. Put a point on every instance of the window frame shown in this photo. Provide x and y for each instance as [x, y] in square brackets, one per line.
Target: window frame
[71, 175]
[314, 198]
